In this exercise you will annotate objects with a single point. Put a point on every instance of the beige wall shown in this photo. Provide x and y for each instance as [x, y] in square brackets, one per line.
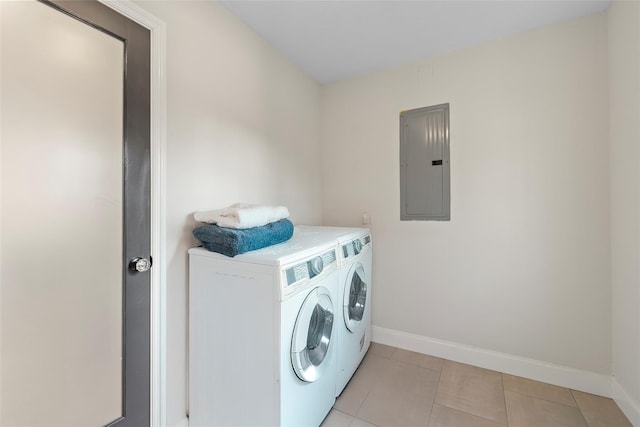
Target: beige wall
[523, 266]
[624, 86]
[242, 125]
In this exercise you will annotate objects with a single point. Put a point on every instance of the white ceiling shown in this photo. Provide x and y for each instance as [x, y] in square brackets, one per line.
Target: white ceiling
[336, 39]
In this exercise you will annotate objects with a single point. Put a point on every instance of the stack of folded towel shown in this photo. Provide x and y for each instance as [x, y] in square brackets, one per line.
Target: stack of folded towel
[242, 227]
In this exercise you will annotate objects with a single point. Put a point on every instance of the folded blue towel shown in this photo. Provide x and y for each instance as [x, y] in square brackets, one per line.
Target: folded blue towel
[231, 241]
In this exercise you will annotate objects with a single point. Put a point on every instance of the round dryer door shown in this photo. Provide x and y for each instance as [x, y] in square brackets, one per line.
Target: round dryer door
[312, 335]
[355, 297]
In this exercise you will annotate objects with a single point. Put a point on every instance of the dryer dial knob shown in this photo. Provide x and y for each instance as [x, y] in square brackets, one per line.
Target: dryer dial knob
[317, 265]
[357, 246]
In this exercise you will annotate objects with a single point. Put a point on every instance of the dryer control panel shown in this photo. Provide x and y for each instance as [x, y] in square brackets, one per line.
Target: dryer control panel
[355, 246]
[310, 268]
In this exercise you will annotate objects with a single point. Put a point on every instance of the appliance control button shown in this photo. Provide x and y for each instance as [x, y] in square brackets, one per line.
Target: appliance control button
[317, 265]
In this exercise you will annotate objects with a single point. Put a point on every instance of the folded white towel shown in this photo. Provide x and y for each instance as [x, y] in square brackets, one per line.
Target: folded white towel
[243, 215]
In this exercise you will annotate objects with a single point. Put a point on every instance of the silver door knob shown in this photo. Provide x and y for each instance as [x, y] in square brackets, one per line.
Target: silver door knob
[139, 264]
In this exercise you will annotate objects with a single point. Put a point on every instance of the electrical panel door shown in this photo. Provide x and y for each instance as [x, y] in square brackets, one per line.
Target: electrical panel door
[425, 164]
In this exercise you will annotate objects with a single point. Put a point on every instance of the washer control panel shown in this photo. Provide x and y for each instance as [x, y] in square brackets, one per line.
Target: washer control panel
[310, 268]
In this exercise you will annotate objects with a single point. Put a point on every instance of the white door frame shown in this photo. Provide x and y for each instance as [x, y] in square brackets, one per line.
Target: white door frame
[158, 209]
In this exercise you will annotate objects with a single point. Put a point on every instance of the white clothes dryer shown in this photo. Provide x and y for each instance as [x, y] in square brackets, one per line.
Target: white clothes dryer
[262, 340]
[354, 247]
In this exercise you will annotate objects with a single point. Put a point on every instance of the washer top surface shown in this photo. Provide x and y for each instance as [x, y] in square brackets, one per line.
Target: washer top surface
[301, 246]
[341, 234]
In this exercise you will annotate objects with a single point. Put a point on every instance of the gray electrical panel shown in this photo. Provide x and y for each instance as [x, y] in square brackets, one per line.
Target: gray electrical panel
[424, 164]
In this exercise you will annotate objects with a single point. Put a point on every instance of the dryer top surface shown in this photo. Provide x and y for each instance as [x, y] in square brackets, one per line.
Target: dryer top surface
[339, 234]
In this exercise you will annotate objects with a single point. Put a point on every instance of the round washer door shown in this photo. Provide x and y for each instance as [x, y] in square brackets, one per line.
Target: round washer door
[355, 297]
[312, 335]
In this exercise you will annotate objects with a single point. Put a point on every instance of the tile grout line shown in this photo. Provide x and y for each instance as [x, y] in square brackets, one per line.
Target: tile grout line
[418, 366]
[390, 358]
[372, 386]
[504, 396]
[471, 413]
[544, 399]
[435, 396]
[579, 408]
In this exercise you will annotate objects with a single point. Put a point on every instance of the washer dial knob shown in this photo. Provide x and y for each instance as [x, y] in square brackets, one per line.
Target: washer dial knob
[317, 264]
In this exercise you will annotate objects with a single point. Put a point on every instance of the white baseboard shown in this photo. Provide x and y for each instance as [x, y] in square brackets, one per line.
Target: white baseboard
[630, 408]
[576, 379]
[182, 423]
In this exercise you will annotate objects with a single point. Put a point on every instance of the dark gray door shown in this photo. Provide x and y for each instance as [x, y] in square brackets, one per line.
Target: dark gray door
[75, 212]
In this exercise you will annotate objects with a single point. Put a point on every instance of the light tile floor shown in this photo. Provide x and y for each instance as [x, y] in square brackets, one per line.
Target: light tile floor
[395, 387]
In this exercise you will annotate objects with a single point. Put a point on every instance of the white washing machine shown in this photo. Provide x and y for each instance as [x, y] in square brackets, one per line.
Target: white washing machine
[354, 249]
[262, 341]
